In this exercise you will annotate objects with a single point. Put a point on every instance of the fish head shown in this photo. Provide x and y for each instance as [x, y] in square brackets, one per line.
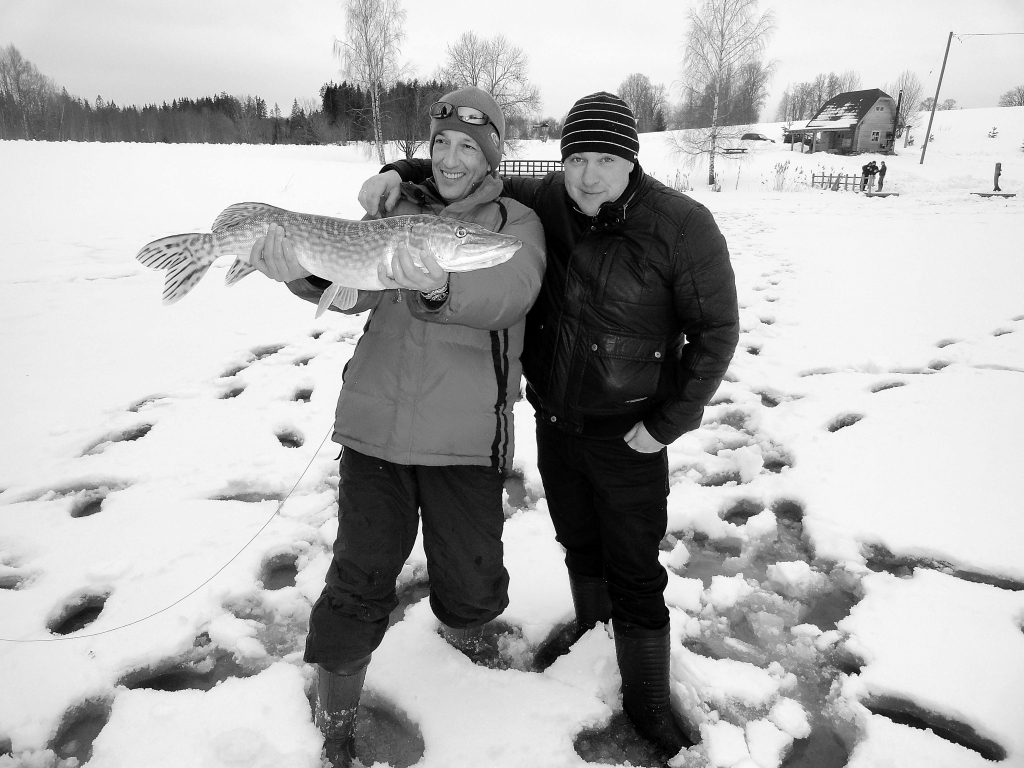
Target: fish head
[459, 246]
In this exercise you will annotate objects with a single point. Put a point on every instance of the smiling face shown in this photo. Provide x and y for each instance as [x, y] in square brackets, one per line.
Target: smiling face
[593, 178]
[458, 164]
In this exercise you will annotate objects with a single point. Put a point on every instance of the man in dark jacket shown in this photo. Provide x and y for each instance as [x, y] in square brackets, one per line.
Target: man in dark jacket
[631, 335]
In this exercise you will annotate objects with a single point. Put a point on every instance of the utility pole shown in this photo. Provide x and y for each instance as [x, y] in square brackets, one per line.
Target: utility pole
[935, 104]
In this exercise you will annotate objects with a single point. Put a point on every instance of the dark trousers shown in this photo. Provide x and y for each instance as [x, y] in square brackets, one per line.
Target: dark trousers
[379, 508]
[609, 506]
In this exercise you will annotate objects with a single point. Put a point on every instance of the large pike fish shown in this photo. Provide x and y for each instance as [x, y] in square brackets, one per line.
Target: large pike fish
[345, 252]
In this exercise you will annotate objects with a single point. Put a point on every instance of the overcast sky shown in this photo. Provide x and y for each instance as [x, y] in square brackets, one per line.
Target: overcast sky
[150, 51]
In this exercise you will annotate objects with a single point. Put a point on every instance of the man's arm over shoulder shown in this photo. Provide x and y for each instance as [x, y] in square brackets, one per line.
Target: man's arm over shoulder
[705, 295]
[500, 296]
[521, 188]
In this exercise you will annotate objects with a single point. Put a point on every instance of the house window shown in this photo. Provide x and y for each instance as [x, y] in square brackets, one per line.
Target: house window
[878, 109]
[874, 135]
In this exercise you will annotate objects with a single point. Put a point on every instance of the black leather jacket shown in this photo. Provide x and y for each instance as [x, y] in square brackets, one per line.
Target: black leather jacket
[637, 315]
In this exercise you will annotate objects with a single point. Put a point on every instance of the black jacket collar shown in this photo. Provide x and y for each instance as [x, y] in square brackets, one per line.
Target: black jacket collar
[612, 215]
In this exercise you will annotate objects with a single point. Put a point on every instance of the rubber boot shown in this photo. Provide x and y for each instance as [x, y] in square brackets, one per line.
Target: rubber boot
[593, 606]
[643, 656]
[337, 698]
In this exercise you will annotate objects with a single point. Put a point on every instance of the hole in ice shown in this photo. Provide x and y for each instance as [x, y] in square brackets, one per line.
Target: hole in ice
[78, 730]
[741, 511]
[302, 395]
[384, 735]
[887, 385]
[846, 420]
[943, 343]
[767, 320]
[279, 572]
[618, 743]
[907, 712]
[720, 479]
[822, 749]
[10, 579]
[249, 496]
[938, 365]
[231, 393]
[316, 334]
[302, 361]
[233, 371]
[77, 615]
[200, 672]
[788, 510]
[409, 593]
[1002, 331]
[124, 436]
[136, 407]
[774, 463]
[515, 487]
[290, 439]
[724, 400]
[754, 350]
[768, 401]
[89, 502]
[881, 559]
[260, 353]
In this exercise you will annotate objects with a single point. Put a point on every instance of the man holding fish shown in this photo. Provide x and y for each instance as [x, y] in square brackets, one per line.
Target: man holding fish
[425, 413]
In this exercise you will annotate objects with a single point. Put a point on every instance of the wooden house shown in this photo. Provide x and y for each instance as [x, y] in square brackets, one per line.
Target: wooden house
[850, 123]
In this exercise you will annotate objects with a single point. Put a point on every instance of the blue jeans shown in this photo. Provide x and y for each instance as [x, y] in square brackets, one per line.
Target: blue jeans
[609, 506]
[379, 509]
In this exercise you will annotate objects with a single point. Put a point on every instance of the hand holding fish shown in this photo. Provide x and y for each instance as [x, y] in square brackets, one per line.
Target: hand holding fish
[273, 255]
[405, 273]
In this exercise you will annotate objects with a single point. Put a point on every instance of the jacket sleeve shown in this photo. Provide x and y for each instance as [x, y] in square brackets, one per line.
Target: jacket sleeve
[496, 297]
[416, 170]
[705, 296]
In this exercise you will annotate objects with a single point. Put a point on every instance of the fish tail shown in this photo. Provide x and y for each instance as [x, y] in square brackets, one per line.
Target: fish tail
[186, 259]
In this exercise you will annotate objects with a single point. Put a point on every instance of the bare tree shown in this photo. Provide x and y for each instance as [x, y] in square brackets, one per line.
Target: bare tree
[912, 90]
[645, 99]
[369, 52]
[1013, 97]
[722, 37]
[498, 67]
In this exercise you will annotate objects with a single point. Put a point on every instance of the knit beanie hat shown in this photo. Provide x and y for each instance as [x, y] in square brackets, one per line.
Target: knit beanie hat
[488, 136]
[601, 122]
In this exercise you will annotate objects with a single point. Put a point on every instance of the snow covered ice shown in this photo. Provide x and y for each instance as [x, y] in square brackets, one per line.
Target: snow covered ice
[845, 537]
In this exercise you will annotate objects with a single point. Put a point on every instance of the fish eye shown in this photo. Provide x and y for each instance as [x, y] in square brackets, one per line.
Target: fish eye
[460, 232]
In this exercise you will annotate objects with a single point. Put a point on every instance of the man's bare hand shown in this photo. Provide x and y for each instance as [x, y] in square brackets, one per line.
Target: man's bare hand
[641, 441]
[405, 273]
[274, 256]
[385, 185]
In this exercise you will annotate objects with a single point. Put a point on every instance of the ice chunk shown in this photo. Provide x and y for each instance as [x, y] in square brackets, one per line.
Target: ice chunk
[725, 744]
[791, 718]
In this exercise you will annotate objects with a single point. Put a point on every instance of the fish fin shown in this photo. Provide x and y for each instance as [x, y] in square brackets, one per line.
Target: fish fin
[235, 214]
[339, 295]
[238, 270]
[186, 259]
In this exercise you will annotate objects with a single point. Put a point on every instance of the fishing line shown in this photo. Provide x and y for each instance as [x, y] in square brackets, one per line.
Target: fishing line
[211, 578]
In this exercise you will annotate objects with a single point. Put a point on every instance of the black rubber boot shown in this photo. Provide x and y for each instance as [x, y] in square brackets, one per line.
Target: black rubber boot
[643, 656]
[593, 606]
[337, 698]
[468, 640]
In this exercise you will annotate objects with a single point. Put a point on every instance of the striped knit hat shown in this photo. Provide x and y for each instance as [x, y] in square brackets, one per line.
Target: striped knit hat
[601, 122]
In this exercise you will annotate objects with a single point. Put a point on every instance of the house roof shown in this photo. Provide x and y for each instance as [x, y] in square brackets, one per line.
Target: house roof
[845, 110]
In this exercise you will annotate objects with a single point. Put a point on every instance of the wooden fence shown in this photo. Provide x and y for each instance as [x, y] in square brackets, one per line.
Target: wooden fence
[841, 181]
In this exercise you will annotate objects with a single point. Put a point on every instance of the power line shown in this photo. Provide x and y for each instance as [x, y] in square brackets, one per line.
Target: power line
[211, 578]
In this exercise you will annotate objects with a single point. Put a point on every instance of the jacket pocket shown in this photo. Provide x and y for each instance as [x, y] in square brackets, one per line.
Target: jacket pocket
[620, 373]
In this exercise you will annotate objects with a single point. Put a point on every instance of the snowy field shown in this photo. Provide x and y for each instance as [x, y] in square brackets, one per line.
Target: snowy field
[846, 528]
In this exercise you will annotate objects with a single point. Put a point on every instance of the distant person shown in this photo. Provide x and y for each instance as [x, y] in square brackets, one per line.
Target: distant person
[425, 417]
[881, 176]
[868, 171]
[633, 331]
[995, 179]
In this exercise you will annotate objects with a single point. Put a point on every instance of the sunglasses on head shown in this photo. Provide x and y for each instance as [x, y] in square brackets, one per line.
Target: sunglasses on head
[442, 109]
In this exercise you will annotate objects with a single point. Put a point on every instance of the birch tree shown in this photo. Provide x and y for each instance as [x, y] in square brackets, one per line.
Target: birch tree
[498, 67]
[374, 29]
[646, 100]
[722, 36]
[912, 89]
